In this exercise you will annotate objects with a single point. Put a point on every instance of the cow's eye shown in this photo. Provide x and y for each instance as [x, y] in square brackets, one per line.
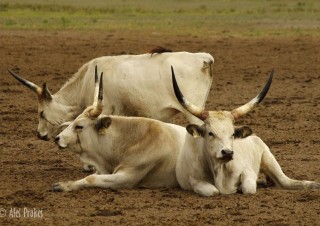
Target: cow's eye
[41, 114]
[236, 134]
[211, 134]
[79, 127]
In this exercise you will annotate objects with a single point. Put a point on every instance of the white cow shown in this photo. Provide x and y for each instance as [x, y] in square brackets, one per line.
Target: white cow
[126, 151]
[134, 84]
[213, 161]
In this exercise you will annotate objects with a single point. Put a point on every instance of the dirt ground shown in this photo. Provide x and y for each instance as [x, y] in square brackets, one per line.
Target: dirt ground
[288, 120]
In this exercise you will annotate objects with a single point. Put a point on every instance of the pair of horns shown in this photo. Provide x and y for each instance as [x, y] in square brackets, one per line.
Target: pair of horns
[237, 113]
[98, 95]
[42, 93]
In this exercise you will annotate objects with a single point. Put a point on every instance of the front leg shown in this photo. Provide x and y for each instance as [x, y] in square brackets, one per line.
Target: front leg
[117, 180]
[203, 188]
[248, 182]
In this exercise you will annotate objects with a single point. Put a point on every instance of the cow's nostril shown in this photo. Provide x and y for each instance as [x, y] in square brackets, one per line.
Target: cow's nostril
[227, 152]
[56, 139]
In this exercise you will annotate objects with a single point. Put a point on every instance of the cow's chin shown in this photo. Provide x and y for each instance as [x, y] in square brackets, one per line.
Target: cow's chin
[63, 147]
[74, 148]
[226, 159]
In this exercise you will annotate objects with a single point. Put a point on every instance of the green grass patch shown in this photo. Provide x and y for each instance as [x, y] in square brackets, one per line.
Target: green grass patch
[203, 18]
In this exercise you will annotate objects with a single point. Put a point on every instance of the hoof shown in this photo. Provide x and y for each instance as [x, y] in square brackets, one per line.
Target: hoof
[315, 185]
[56, 187]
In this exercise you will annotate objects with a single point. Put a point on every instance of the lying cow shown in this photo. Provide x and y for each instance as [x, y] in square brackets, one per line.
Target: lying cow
[214, 161]
[126, 151]
[134, 82]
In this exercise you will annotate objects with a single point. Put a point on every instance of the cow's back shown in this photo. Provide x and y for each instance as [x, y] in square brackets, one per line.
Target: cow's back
[141, 85]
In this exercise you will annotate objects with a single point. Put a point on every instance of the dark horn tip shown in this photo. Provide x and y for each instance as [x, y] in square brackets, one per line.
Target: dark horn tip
[176, 88]
[266, 88]
[23, 81]
[100, 95]
[96, 74]
[12, 73]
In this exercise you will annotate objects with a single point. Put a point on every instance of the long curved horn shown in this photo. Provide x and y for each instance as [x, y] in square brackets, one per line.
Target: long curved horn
[98, 104]
[96, 86]
[100, 94]
[193, 109]
[246, 108]
[27, 83]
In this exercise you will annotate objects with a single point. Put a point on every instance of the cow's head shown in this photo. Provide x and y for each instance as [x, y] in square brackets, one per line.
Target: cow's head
[218, 130]
[51, 114]
[80, 133]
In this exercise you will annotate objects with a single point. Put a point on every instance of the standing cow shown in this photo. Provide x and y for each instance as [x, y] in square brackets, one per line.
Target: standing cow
[220, 159]
[134, 84]
[127, 152]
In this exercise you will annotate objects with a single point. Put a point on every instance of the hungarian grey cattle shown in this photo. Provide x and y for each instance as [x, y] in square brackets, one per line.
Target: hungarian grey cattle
[134, 84]
[126, 152]
[215, 161]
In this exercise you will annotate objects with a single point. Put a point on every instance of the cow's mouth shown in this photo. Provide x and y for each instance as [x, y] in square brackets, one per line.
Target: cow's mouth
[227, 155]
[226, 158]
[62, 147]
[45, 137]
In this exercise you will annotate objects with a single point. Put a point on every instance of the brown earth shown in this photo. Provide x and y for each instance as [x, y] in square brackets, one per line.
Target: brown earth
[288, 121]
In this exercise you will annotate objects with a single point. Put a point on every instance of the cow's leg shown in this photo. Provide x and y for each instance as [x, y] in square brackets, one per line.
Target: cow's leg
[121, 179]
[271, 168]
[203, 188]
[249, 181]
[265, 183]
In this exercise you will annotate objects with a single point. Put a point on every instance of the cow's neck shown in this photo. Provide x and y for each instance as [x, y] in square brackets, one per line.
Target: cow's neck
[71, 95]
[73, 92]
[196, 157]
[224, 177]
[69, 111]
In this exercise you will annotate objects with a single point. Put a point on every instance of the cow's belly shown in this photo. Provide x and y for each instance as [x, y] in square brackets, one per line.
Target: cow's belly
[156, 180]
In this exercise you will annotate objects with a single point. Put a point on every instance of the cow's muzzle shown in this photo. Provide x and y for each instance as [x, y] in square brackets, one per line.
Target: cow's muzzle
[56, 140]
[227, 155]
[45, 137]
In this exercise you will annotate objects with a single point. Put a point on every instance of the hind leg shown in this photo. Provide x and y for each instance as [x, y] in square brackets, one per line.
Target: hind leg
[271, 168]
[265, 182]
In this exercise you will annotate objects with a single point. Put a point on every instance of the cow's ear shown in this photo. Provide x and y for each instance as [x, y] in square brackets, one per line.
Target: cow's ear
[242, 132]
[45, 93]
[103, 124]
[195, 130]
